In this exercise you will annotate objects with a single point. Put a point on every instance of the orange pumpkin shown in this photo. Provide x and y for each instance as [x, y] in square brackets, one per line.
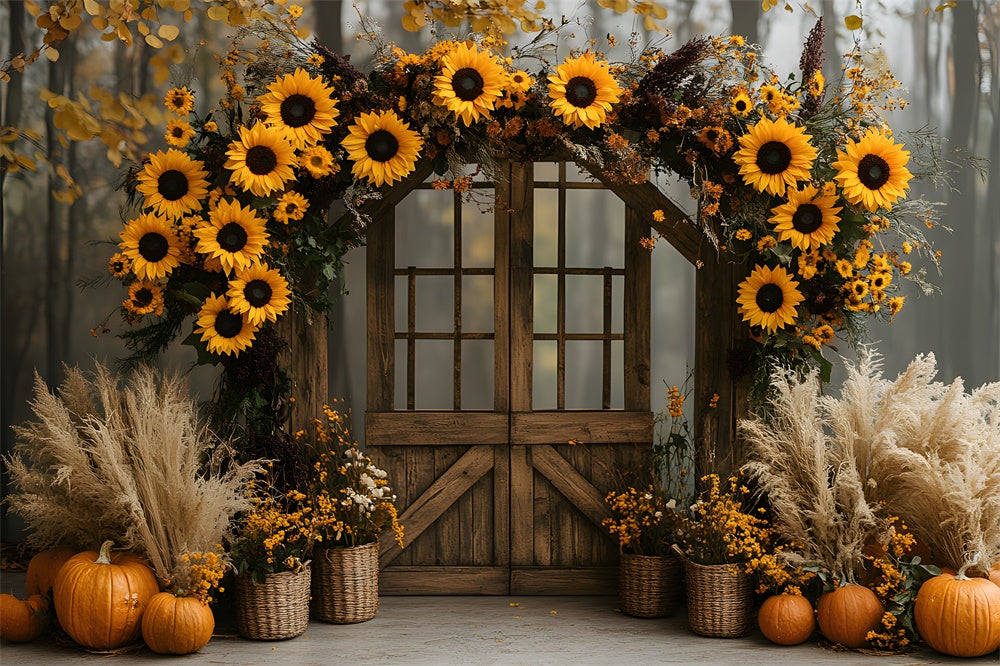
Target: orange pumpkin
[847, 614]
[100, 598]
[43, 568]
[995, 573]
[176, 625]
[786, 619]
[23, 620]
[958, 615]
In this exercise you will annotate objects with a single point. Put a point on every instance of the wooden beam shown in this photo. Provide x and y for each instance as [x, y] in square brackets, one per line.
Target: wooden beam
[444, 492]
[444, 580]
[588, 427]
[381, 366]
[577, 489]
[564, 580]
[407, 428]
[636, 306]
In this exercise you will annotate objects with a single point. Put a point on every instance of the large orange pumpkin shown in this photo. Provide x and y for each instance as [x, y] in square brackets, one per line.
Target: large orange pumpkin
[958, 615]
[23, 620]
[176, 625]
[786, 619]
[995, 573]
[100, 598]
[847, 614]
[43, 568]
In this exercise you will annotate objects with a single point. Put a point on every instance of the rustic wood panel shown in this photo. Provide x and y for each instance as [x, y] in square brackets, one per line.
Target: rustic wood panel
[501, 505]
[308, 339]
[481, 524]
[393, 460]
[380, 260]
[564, 580]
[501, 297]
[444, 580]
[637, 299]
[521, 286]
[521, 506]
[432, 428]
[447, 530]
[448, 487]
[590, 427]
[568, 481]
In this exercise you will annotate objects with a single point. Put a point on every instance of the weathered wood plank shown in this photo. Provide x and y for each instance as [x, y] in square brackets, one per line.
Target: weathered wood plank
[438, 497]
[308, 338]
[589, 427]
[380, 261]
[501, 505]
[543, 525]
[447, 528]
[431, 428]
[444, 580]
[521, 514]
[637, 305]
[521, 285]
[564, 580]
[480, 521]
[568, 481]
[501, 296]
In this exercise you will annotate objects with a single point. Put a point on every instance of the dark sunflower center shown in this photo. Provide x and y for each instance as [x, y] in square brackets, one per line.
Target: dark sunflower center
[257, 293]
[878, 282]
[712, 135]
[172, 185]
[118, 267]
[581, 92]
[153, 246]
[261, 160]
[381, 145]
[232, 237]
[178, 132]
[873, 171]
[741, 105]
[773, 157]
[770, 297]
[807, 218]
[143, 297]
[298, 110]
[228, 324]
[467, 84]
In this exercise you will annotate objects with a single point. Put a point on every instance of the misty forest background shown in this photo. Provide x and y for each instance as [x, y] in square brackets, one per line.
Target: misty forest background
[949, 61]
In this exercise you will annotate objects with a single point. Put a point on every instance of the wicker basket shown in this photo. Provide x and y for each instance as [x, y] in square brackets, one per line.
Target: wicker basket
[719, 599]
[345, 587]
[649, 585]
[275, 609]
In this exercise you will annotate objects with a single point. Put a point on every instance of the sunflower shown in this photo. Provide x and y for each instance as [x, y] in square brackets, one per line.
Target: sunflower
[225, 331]
[172, 183]
[773, 155]
[582, 91]
[234, 235]
[179, 100]
[150, 242]
[808, 219]
[470, 82]
[291, 206]
[873, 171]
[382, 147]
[259, 292]
[179, 132]
[302, 106]
[119, 265]
[318, 161]
[768, 298]
[262, 159]
[741, 104]
[144, 298]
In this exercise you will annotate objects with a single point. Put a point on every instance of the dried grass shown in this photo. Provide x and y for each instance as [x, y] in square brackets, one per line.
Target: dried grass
[132, 464]
[927, 452]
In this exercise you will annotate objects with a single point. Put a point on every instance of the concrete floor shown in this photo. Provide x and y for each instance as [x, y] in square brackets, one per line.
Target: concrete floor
[483, 630]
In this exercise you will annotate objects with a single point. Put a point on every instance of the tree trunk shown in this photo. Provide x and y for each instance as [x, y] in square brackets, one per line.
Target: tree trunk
[55, 269]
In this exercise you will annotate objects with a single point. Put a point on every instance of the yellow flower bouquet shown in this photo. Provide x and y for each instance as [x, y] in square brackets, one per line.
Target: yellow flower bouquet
[643, 520]
[719, 531]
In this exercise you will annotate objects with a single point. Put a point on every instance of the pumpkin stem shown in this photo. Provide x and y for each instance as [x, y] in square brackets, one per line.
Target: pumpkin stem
[968, 563]
[104, 557]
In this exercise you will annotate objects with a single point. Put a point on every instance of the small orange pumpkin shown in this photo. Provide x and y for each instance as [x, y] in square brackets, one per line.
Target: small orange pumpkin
[786, 619]
[43, 568]
[995, 573]
[176, 625]
[847, 614]
[958, 615]
[23, 620]
[100, 598]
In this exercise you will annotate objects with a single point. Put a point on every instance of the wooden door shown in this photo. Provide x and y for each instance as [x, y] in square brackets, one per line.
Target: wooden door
[507, 498]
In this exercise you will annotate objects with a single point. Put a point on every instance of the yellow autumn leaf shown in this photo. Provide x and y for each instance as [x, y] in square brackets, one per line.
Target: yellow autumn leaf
[92, 7]
[217, 13]
[99, 22]
[853, 22]
[149, 13]
[32, 7]
[52, 54]
[412, 24]
[154, 41]
[168, 32]
[142, 28]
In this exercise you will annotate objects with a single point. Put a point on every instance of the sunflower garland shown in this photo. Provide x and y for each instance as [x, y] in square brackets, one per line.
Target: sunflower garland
[383, 148]
[768, 298]
[261, 159]
[152, 247]
[470, 83]
[582, 91]
[872, 171]
[259, 292]
[222, 329]
[808, 219]
[233, 234]
[172, 183]
[143, 298]
[302, 106]
[291, 206]
[774, 155]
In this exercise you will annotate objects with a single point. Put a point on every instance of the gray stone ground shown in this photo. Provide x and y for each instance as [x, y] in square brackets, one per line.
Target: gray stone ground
[482, 630]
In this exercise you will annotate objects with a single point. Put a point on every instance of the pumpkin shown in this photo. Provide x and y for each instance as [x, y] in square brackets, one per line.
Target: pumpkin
[100, 598]
[995, 573]
[42, 570]
[958, 615]
[176, 625]
[23, 620]
[786, 619]
[847, 614]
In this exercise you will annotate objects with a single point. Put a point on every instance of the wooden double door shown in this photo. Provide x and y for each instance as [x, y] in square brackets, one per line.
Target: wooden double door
[507, 497]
